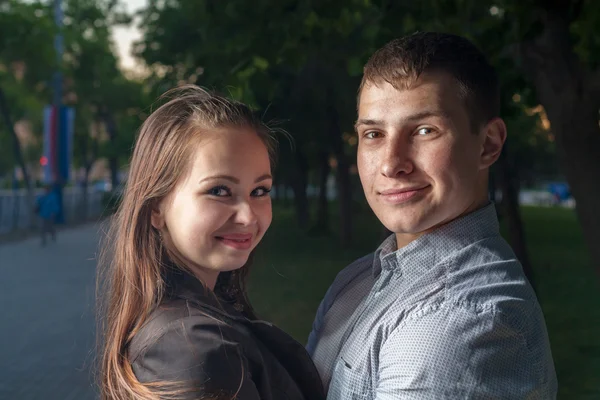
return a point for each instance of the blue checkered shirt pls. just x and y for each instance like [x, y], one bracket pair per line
[450, 316]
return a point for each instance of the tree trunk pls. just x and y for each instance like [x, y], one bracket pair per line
[1, 209]
[16, 212]
[570, 94]
[299, 181]
[90, 159]
[322, 223]
[18, 154]
[578, 140]
[285, 187]
[510, 204]
[275, 195]
[344, 186]
[84, 150]
[113, 162]
[345, 199]
[581, 163]
[85, 188]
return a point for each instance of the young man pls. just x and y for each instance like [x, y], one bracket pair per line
[442, 309]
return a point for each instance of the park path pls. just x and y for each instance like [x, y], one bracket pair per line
[47, 299]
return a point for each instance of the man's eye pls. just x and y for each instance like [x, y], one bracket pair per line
[219, 191]
[424, 131]
[372, 135]
[261, 191]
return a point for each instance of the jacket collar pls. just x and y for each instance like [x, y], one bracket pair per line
[183, 285]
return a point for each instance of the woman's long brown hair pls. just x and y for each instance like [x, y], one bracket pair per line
[131, 268]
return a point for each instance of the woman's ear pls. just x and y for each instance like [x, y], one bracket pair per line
[493, 141]
[157, 218]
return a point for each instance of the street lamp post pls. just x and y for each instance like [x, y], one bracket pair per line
[57, 103]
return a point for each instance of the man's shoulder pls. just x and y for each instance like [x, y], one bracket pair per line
[357, 266]
[488, 276]
[354, 270]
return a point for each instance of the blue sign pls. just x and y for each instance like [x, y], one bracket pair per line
[58, 144]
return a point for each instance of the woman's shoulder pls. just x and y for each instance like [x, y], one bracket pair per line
[181, 322]
[182, 343]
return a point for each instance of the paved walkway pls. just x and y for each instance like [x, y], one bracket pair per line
[47, 299]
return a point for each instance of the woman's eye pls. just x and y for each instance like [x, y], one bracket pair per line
[219, 191]
[261, 191]
[424, 131]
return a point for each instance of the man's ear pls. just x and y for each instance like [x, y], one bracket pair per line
[494, 137]
[157, 218]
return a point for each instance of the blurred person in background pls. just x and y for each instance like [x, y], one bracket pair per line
[47, 207]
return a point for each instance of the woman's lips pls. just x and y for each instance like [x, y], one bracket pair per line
[238, 241]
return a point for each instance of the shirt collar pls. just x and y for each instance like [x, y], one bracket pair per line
[437, 245]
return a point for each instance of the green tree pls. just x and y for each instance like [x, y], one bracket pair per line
[101, 94]
[26, 54]
[302, 60]
[546, 51]
[289, 58]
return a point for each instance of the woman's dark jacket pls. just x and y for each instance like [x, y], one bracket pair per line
[209, 348]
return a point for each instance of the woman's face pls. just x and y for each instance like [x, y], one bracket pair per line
[220, 211]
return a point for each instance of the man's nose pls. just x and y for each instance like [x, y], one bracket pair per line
[397, 159]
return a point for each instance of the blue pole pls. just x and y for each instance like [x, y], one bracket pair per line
[59, 48]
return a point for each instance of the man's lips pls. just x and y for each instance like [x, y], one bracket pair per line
[399, 195]
[240, 241]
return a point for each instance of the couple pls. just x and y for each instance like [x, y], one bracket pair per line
[441, 310]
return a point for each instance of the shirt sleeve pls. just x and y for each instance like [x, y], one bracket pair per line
[458, 353]
[197, 356]
[325, 305]
[342, 280]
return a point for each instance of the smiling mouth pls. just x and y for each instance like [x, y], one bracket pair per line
[236, 241]
[402, 195]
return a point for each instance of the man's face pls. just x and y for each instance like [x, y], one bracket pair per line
[419, 162]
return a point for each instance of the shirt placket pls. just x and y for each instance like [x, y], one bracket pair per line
[370, 302]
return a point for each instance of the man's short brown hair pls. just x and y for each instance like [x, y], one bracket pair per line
[402, 61]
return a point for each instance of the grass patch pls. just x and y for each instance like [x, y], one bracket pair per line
[569, 292]
[293, 270]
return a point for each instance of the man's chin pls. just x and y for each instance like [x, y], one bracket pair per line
[406, 225]
[409, 228]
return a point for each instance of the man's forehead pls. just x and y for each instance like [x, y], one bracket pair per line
[427, 96]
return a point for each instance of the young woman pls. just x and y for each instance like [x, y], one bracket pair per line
[177, 321]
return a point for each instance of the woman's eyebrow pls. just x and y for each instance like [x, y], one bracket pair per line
[234, 179]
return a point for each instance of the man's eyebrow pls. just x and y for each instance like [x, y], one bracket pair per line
[368, 122]
[234, 179]
[427, 114]
[410, 118]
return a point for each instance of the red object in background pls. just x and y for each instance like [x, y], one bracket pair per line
[44, 161]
